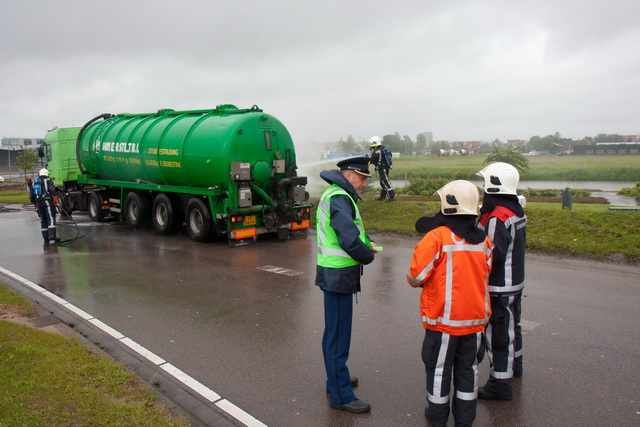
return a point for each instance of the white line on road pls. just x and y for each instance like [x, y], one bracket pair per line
[279, 270]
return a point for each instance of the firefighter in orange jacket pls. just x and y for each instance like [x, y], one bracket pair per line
[452, 265]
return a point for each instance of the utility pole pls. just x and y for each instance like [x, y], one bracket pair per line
[405, 161]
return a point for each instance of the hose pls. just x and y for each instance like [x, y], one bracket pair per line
[67, 242]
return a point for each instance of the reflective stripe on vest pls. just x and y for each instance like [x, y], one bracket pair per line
[510, 224]
[448, 250]
[330, 254]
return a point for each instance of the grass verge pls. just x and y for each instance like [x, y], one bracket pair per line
[52, 380]
[14, 197]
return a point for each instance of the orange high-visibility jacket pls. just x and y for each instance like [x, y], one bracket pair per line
[454, 276]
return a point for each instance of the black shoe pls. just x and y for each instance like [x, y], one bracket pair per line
[485, 394]
[391, 200]
[357, 407]
[380, 198]
[354, 383]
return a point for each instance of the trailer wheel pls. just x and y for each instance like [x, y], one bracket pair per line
[198, 220]
[94, 206]
[166, 214]
[137, 209]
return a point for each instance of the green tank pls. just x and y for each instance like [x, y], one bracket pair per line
[185, 148]
[239, 163]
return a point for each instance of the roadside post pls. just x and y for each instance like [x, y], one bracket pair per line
[567, 199]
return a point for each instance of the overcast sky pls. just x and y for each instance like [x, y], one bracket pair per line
[463, 70]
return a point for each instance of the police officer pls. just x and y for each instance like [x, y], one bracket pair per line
[502, 217]
[343, 248]
[381, 158]
[451, 264]
[43, 194]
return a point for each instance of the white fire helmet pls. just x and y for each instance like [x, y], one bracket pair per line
[43, 172]
[459, 197]
[374, 141]
[500, 178]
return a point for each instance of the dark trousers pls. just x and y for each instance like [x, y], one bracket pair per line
[47, 212]
[446, 358]
[504, 337]
[336, 341]
[385, 184]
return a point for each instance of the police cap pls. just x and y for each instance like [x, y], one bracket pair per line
[359, 165]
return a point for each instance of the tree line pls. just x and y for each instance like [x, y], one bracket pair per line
[405, 145]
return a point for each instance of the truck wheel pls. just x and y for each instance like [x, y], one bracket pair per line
[137, 209]
[198, 220]
[94, 206]
[166, 214]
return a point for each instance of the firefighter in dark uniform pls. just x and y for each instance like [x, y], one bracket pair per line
[43, 194]
[343, 248]
[503, 219]
[381, 159]
[451, 264]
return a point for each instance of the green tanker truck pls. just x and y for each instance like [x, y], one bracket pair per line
[226, 172]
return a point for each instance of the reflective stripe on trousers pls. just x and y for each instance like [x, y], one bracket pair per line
[504, 335]
[444, 354]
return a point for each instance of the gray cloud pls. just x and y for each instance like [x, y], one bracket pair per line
[463, 70]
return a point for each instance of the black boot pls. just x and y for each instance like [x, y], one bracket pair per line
[496, 389]
[392, 196]
[52, 236]
[45, 236]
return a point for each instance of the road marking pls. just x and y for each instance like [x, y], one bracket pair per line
[239, 414]
[188, 382]
[528, 325]
[279, 270]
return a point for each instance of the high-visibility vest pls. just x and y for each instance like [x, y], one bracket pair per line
[330, 254]
[454, 276]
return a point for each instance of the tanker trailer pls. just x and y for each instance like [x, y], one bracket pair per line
[223, 172]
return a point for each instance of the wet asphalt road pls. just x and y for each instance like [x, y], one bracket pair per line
[247, 323]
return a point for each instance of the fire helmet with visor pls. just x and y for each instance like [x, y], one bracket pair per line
[459, 197]
[500, 178]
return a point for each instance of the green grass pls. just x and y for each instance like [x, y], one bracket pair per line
[590, 230]
[10, 300]
[541, 168]
[51, 380]
[14, 197]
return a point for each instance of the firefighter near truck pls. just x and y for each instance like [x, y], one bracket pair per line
[220, 173]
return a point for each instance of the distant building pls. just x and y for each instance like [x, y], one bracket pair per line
[608, 148]
[20, 143]
[429, 137]
[9, 148]
[516, 144]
